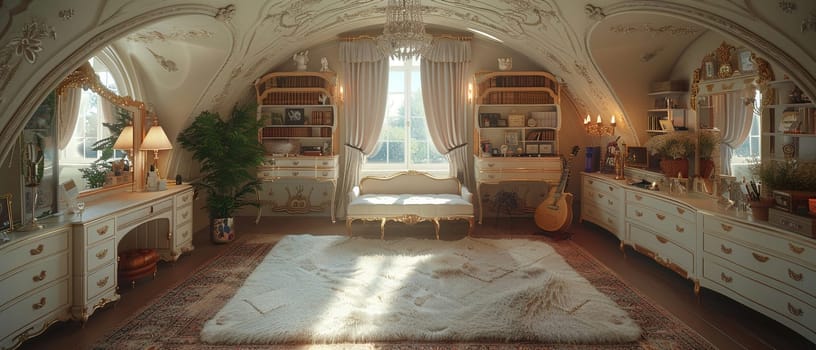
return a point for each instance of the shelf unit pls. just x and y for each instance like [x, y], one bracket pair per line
[300, 137]
[788, 125]
[668, 105]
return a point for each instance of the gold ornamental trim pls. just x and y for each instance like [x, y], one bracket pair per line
[85, 78]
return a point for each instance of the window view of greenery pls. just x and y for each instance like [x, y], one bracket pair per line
[748, 153]
[404, 142]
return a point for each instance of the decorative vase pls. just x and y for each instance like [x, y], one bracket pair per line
[222, 230]
[671, 167]
[759, 209]
[706, 167]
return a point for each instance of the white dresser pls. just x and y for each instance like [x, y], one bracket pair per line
[495, 170]
[768, 269]
[307, 168]
[69, 269]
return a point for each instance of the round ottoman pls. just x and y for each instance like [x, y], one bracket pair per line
[137, 263]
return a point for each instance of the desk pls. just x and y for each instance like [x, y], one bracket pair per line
[68, 269]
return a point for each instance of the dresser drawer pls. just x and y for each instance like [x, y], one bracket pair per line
[184, 199]
[539, 164]
[100, 254]
[300, 162]
[99, 230]
[518, 175]
[672, 227]
[783, 307]
[607, 200]
[33, 250]
[662, 250]
[601, 218]
[768, 265]
[797, 248]
[33, 276]
[141, 214]
[183, 234]
[665, 205]
[306, 173]
[602, 189]
[100, 281]
[184, 215]
[33, 307]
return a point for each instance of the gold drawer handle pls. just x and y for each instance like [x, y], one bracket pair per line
[726, 228]
[325, 163]
[41, 276]
[184, 215]
[725, 250]
[794, 276]
[591, 182]
[102, 254]
[295, 173]
[169, 236]
[680, 211]
[794, 311]
[101, 283]
[490, 165]
[185, 234]
[638, 213]
[661, 239]
[325, 173]
[185, 198]
[37, 251]
[296, 162]
[609, 220]
[600, 195]
[39, 305]
[610, 202]
[660, 216]
[795, 249]
[760, 258]
[102, 230]
[638, 197]
[727, 279]
[611, 189]
[679, 228]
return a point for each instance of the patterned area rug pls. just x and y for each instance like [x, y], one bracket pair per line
[175, 321]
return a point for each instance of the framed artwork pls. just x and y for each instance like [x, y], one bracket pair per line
[545, 148]
[511, 138]
[531, 149]
[636, 157]
[746, 65]
[295, 116]
[666, 125]
[6, 218]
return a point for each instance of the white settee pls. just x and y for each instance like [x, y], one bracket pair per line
[409, 197]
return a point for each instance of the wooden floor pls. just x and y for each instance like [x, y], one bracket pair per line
[725, 323]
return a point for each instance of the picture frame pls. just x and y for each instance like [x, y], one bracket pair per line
[276, 119]
[637, 157]
[6, 214]
[545, 148]
[746, 65]
[709, 68]
[511, 138]
[666, 125]
[70, 193]
[295, 116]
[531, 149]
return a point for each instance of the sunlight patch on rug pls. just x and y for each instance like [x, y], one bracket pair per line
[329, 289]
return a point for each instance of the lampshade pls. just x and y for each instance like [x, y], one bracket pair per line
[125, 140]
[156, 139]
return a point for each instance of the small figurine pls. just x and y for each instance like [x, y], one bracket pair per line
[324, 65]
[301, 60]
[505, 63]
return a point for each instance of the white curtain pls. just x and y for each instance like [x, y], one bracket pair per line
[108, 111]
[365, 81]
[737, 119]
[444, 93]
[67, 113]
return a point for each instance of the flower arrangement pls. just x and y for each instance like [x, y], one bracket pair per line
[785, 175]
[707, 143]
[672, 145]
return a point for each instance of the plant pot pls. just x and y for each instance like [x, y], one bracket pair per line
[759, 209]
[706, 167]
[222, 230]
[671, 167]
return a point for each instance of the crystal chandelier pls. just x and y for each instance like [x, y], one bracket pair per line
[404, 34]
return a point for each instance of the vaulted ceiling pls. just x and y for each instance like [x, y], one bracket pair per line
[196, 55]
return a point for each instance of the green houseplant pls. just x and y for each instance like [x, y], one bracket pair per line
[229, 152]
[708, 141]
[673, 148]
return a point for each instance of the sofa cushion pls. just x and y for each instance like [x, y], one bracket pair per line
[417, 183]
[395, 205]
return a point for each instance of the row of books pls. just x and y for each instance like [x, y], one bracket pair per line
[541, 135]
[296, 82]
[295, 132]
[532, 97]
[519, 81]
[293, 98]
[321, 118]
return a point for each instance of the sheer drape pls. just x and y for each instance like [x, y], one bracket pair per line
[67, 113]
[365, 82]
[736, 125]
[444, 93]
[108, 111]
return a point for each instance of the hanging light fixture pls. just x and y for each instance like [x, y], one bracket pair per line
[404, 34]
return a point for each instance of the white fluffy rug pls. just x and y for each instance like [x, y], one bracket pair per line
[329, 289]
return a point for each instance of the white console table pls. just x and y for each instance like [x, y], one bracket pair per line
[68, 269]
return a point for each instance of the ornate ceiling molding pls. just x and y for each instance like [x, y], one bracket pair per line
[655, 30]
[150, 36]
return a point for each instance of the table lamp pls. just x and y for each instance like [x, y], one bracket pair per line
[156, 140]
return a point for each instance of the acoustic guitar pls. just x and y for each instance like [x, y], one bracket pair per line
[554, 214]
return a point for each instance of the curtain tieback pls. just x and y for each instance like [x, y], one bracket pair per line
[456, 147]
[355, 147]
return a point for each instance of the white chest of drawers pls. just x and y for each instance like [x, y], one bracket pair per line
[494, 170]
[603, 204]
[307, 168]
[34, 284]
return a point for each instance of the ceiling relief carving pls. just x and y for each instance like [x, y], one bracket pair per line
[24, 46]
[151, 36]
[809, 23]
[167, 64]
[7, 14]
[594, 12]
[655, 30]
[225, 13]
[66, 14]
[787, 6]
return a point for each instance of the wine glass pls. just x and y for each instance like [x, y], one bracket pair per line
[80, 207]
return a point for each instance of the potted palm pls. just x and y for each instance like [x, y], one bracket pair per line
[229, 152]
[673, 148]
[708, 141]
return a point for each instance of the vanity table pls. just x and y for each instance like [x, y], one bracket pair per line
[68, 269]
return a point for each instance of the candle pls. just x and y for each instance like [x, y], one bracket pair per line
[586, 120]
[599, 119]
[613, 120]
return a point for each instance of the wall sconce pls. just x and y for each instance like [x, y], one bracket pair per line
[339, 94]
[597, 128]
[470, 92]
[156, 140]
